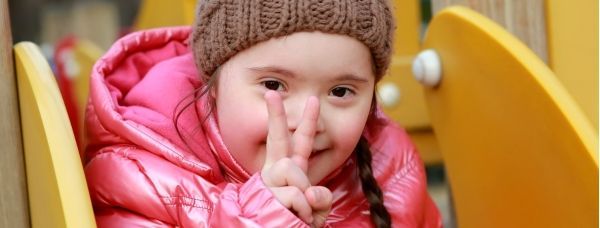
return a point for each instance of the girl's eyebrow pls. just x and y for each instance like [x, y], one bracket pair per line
[274, 69]
[350, 77]
[288, 73]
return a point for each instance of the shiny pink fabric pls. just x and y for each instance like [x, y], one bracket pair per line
[142, 172]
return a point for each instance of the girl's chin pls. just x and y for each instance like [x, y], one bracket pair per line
[316, 165]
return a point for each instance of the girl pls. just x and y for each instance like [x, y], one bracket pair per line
[267, 119]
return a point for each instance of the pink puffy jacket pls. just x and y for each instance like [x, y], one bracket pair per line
[141, 173]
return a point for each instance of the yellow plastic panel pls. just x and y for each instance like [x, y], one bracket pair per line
[573, 50]
[428, 147]
[57, 189]
[518, 150]
[410, 110]
[86, 54]
[161, 13]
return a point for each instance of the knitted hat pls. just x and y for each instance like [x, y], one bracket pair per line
[225, 27]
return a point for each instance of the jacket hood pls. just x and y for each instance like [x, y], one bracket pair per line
[142, 84]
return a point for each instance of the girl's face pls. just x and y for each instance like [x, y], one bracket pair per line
[334, 68]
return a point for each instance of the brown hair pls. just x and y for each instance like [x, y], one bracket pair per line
[379, 214]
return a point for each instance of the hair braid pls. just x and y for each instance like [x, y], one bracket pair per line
[379, 215]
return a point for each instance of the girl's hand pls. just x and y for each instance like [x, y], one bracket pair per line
[320, 199]
[285, 173]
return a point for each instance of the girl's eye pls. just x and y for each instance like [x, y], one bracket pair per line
[273, 85]
[341, 92]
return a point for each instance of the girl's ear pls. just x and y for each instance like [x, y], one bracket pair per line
[212, 84]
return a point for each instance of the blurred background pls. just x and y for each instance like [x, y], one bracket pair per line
[48, 21]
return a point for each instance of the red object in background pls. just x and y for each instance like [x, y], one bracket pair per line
[65, 84]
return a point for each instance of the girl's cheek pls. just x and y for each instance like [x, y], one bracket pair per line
[258, 125]
[347, 126]
[244, 132]
[253, 126]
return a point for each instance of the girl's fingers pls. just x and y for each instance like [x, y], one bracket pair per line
[293, 199]
[285, 172]
[320, 199]
[277, 138]
[304, 135]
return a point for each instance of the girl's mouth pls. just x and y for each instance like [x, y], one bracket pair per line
[315, 153]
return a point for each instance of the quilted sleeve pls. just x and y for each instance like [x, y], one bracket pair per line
[131, 187]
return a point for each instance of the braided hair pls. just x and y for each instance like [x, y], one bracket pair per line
[379, 215]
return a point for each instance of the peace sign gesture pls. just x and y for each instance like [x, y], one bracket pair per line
[286, 162]
[278, 141]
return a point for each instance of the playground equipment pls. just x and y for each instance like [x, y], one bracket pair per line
[518, 150]
[56, 185]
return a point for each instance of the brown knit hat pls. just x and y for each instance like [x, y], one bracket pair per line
[225, 27]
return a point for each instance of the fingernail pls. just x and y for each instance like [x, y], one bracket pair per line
[316, 194]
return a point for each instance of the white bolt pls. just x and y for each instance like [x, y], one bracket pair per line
[427, 68]
[389, 94]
